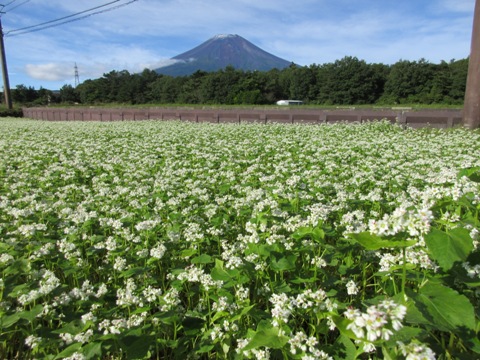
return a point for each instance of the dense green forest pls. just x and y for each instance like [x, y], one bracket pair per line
[348, 81]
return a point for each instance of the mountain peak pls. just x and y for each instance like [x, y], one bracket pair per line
[220, 51]
[223, 36]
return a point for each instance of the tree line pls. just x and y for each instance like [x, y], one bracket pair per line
[348, 81]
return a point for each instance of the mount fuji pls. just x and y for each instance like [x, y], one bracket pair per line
[221, 51]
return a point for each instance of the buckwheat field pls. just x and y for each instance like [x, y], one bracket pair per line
[173, 240]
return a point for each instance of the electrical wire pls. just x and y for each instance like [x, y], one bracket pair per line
[65, 17]
[13, 8]
[53, 23]
[11, 2]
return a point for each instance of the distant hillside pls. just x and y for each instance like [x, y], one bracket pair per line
[221, 51]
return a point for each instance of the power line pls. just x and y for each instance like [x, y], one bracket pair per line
[11, 2]
[57, 22]
[13, 8]
[62, 18]
[48, 23]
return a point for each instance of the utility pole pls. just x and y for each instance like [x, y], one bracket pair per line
[471, 108]
[77, 78]
[6, 84]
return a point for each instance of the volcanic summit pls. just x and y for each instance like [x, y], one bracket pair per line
[221, 51]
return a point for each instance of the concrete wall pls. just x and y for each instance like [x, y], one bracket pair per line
[407, 117]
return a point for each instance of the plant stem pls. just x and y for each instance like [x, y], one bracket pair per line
[404, 269]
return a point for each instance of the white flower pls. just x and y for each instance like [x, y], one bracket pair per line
[158, 251]
[6, 258]
[352, 288]
[32, 341]
[76, 356]
[472, 271]
[102, 290]
[120, 263]
[151, 294]
[146, 225]
[319, 262]
[282, 308]
[378, 322]
[88, 317]
[416, 351]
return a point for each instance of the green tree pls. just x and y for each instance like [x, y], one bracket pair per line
[221, 87]
[68, 94]
[44, 97]
[458, 71]
[24, 95]
[91, 92]
[190, 92]
[251, 88]
[409, 82]
[301, 83]
[349, 81]
[273, 91]
[166, 89]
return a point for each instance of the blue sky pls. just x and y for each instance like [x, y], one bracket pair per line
[147, 33]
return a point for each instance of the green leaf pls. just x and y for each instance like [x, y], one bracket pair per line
[445, 308]
[346, 348]
[219, 315]
[475, 345]
[192, 325]
[31, 314]
[261, 249]
[202, 259]
[9, 320]
[93, 350]
[266, 336]
[132, 272]
[281, 286]
[219, 273]
[473, 173]
[407, 334]
[283, 263]
[316, 233]
[447, 248]
[138, 347]
[73, 327]
[69, 351]
[188, 252]
[19, 266]
[205, 349]
[374, 242]
[244, 312]
[303, 281]
[386, 354]
[341, 323]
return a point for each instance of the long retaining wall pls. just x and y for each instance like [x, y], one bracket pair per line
[403, 116]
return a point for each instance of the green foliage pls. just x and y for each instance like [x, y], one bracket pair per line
[15, 112]
[171, 240]
[348, 81]
[449, 247]
[410, 82]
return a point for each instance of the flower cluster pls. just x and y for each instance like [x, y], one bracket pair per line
[378, 323]
[416, 351]
[300, 342]
[188, 234]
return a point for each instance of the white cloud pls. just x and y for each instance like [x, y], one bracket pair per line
[50, 71]
[458, 5]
